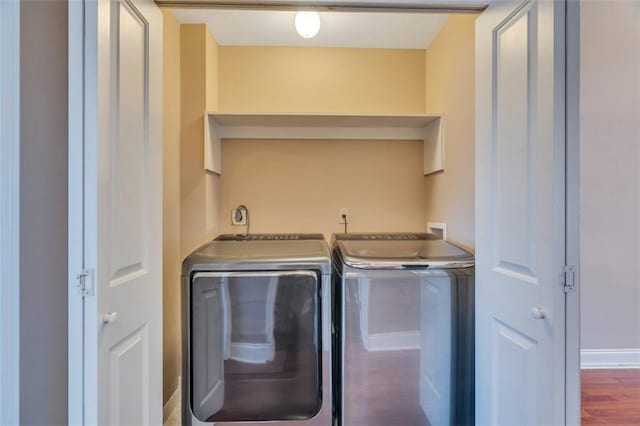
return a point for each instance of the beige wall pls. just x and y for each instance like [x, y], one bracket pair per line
[43, 213]
[211, 62]
[298, 186]
[198, 189]
[610, 174]
[171, 205]
[190, 194]
[294, 79]
[450, 76]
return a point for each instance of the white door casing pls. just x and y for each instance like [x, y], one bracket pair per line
[121, 162]
[9, 212]
[520, 214]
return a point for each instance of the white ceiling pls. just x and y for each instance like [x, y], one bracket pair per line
[337, 29]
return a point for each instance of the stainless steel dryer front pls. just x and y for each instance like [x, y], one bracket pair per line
[257, 331]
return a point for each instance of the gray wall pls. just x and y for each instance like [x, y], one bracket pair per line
[610, 174]
[43, 213]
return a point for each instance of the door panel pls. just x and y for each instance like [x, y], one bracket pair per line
[514, 388]
[129, 377]
[123, 211]
[520, 213]
[129, 49]
[515, 179]
[129, 142]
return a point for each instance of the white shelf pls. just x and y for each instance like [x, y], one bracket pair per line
[426, 127]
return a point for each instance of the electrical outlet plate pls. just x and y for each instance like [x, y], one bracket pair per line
[239, 216]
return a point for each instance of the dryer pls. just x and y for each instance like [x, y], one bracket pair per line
[404, 309]
[257, 331]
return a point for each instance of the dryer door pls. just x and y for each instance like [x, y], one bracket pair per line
[255, 346]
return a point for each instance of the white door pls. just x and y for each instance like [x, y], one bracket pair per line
[122, 233]
[520, 205]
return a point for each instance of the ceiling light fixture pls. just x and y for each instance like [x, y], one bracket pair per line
[307, 24]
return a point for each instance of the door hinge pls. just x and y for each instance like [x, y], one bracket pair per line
[85, 282]
[569, 278]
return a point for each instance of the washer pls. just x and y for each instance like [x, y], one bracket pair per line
[257, 331]
[404, 314]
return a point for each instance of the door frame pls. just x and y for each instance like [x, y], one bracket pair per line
[10, 212]
[572, 211]
[77, 94]
[76, 88]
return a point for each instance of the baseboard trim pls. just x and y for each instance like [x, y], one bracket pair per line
[173, 402]
[397, 340]
[609, 358]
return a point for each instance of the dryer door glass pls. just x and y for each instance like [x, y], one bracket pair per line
[255, 346]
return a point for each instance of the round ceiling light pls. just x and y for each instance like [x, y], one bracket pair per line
[307, 24]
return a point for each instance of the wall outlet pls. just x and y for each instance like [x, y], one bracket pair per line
[239, 216]
[342, 213]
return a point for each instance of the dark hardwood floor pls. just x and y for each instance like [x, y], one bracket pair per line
[611, 397]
